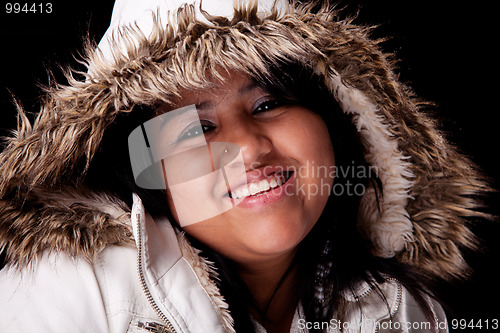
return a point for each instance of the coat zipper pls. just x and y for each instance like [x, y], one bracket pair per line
[152, 327]
[399, 298]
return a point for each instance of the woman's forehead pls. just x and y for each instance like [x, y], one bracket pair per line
[235, 85]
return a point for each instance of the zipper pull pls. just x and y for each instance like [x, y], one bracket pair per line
[154, 327]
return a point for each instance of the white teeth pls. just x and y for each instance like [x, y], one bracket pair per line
[244, 192]
[257, 187]
[254, 188]
[264, 185]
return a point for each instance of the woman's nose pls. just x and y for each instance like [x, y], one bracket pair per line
[252, 140]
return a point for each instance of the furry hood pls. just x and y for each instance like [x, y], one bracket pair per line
[429, 189]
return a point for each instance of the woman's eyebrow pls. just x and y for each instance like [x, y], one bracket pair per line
[177, 115]
[248, 87]
[205, 105]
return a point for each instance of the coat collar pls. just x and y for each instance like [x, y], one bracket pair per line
[179, 281]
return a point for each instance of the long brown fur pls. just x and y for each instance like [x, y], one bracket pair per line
[44, 202]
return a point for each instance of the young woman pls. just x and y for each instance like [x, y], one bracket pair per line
[219, 169]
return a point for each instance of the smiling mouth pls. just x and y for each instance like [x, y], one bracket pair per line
[261, 187]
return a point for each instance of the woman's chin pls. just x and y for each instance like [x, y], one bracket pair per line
[271, 239]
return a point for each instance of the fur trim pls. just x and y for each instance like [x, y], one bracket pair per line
[78, 223]
[390, 227]
[429, 190]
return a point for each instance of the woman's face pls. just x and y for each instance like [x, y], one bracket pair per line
[284, 162]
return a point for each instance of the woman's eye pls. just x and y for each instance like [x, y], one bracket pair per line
[196, 131]
[268, 105]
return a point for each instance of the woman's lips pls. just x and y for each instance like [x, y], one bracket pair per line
[258, 187]
[262, 192]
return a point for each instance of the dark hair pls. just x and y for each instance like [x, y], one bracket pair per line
[333, 258]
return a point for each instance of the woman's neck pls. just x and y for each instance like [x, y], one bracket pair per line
[272, 284]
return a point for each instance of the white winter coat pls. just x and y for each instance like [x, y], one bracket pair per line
[161, 283]
[428, 188]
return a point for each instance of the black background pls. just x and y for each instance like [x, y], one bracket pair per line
[448, 54]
